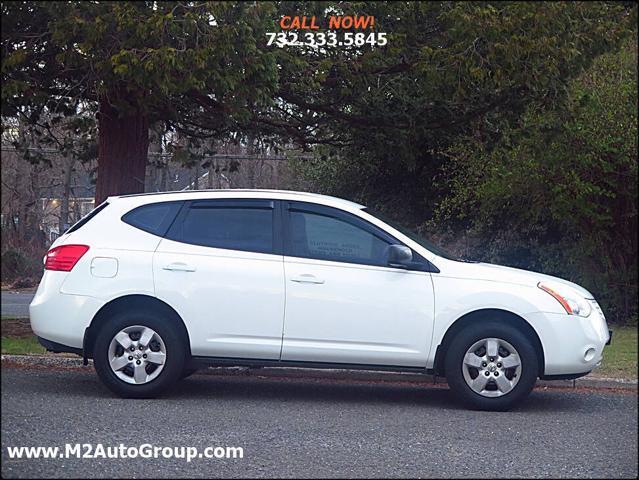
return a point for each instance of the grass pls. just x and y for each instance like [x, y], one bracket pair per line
[620, 358]
[21, 345]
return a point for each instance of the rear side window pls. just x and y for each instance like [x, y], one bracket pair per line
[233, 227]
[83, 221]
[155, 218]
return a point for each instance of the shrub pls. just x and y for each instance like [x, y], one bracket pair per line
[21, 266]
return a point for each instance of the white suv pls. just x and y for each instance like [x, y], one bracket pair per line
[153, 286]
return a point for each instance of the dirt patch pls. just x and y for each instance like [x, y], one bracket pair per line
[16, 327]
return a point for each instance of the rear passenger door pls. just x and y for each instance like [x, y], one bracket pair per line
[220, 267]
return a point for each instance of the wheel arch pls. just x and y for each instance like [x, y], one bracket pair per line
[130, 303]
[483, 315]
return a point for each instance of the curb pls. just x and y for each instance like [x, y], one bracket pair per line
[591, 382]
[67, 362]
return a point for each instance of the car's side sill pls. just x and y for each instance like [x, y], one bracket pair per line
[566, 376]
[201, 361]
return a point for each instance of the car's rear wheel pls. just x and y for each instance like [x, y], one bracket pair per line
[139, 355]
[491, 366]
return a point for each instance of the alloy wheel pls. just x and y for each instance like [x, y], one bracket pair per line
[491, 367]
[137, 354]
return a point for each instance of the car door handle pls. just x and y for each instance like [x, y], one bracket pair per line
[307, 278]
[179, 267]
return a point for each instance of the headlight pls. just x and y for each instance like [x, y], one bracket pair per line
[571, 300]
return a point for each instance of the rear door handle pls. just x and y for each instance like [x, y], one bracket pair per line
[307, 278]
[179, 267]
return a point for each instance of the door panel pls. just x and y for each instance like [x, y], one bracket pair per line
[220, 267]
[232, 302]
[343, 306]
[357, 314]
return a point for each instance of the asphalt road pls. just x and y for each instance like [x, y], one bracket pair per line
[16, 304]
[316, 428]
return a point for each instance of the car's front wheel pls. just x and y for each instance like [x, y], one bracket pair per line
[491, 366]
[187, 372]
[139, 355]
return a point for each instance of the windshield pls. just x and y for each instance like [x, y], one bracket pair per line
[427, 244]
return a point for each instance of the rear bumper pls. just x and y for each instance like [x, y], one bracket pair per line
[61, 318]
[58, 347]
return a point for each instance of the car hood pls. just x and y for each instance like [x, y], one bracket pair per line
[499, 273]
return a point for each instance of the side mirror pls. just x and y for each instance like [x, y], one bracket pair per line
[398, 256]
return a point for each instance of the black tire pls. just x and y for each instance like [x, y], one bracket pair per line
[187, 372]
[176, 354]
[465, 339]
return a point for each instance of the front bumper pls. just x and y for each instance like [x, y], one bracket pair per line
[573, 346]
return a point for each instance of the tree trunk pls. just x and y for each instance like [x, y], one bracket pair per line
[66, 194]
[212, 164]
[250, 164]
[122, 153]
[164, 178]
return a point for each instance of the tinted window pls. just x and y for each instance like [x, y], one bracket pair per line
[155, 218]
[85, 220]
[233, 228]
[327, 238]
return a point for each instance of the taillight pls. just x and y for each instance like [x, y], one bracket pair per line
[64, 257]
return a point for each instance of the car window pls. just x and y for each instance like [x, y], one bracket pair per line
[233, 228]
[323, 237]
[155, 218]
